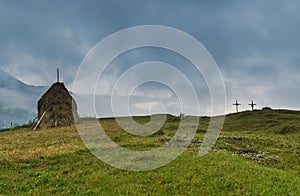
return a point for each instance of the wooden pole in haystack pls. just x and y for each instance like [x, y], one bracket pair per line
[57, 74]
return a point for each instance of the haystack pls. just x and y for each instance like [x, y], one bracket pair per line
[56, 108]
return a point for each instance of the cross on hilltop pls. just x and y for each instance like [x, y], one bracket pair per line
[237, 104]
[252, 104]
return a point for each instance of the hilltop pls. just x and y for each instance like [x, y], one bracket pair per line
[257, 153]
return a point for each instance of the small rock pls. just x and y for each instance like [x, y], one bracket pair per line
[196, 141]
[259, 156]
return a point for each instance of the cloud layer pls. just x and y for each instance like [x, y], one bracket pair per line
[255, 43]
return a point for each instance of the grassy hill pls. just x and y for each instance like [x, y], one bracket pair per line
[257, 153]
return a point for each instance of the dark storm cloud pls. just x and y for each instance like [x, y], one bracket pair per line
[255, 43]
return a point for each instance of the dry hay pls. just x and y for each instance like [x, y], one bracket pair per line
[57, 108]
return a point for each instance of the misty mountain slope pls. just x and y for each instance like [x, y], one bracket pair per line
[8, 82]
[18, 101]
[14, 117]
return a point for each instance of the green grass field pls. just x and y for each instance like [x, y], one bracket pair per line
[257, 153]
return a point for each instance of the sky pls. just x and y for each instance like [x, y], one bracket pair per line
[254, 43]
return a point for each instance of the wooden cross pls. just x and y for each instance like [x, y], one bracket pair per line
[252, 104]
[237, 104]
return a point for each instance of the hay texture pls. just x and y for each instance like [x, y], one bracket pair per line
[57, 108]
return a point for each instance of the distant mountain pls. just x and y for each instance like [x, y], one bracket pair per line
[18, 101]
[10, 83]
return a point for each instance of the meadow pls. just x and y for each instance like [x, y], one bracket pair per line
[257, 153]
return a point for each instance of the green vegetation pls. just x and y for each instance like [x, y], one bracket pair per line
[257, 153]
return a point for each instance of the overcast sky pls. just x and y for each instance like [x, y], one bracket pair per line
[256, 44]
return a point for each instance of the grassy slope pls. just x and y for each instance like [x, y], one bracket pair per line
[56, 161]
